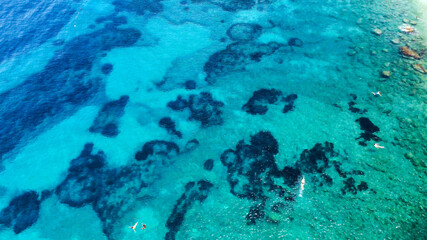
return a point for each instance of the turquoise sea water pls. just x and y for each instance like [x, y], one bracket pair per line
[213, 119]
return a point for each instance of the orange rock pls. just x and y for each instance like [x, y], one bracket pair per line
[419, 68]
[407, 52]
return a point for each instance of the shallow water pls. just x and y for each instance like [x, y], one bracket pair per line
[211, 119]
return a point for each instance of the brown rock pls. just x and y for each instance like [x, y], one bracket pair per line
[419, 68]
[407, 52]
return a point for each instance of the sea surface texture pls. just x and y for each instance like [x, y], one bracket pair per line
[213, 119]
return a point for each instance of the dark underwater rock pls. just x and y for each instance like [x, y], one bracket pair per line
[337, 166]
[257, 103]
[255, 212]
[295, 42]
[369, 129]
[354, 109]
[316, 160]
[208, 165]
[362, 186]
[230, 5]
[163, 149]
[244, 31]
[191, 145]
[203, 108]
[46, 194]
[83, 184]
[107, 120]
[22, 212]
[290, 99]
[168, 124]
[288, 107]
[235, 57]
[120, 190]
[234, 5]
[179, 104]
[292, 176]
[190, 85]
[326, 179]
[193, 192]
[63, 86]
[139, 7]
[254, 175]
[349, 186]
[367, 125]
[112, 192]
[107, 68]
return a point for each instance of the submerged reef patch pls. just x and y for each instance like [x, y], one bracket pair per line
[235, 57]
[91, 182]
[316, 160]
[253, 173]
[350, 186]
[139, 7]
[234, 5]
[194, 191]
[368, 129]
[203, 108]
[244, 31]
[352, 108]
[256, 104]
[168, 124]
[107, 120]
[295, 42]
[290, 99]
[107, 68]
[83, 184]
[157, 148]
[208, 165]
[22, 212]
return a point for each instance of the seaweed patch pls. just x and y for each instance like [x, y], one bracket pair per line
[194, 191]
[203, 108]
[368, 129]
[22, 212]
[257, 103]
[235, 57]
[107, 120]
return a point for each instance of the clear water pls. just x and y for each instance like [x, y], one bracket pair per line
[89, 96]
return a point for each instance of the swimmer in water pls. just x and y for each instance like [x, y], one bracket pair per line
[144, 226]
[377, 93]
[302, 186]
[134, 226]
[376, 145]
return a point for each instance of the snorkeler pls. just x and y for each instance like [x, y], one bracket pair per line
[377, 93]
[376, 145]
[134, 226]
[144, 226]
